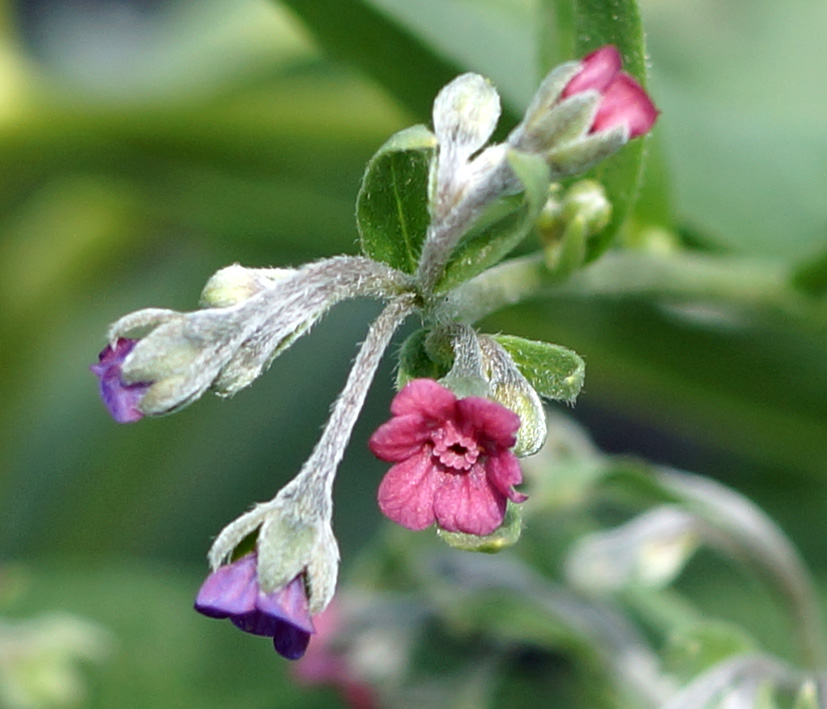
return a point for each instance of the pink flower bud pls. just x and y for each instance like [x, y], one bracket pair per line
[624, 101]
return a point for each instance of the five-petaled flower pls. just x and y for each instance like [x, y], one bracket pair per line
[623, 100]
[232, 591]
[120, 398]
[453, 463]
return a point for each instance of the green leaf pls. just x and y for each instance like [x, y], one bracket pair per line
[392, 205]
[414, 361]
[554, 371]
[502, 226]
[356, 32]
[590, 24]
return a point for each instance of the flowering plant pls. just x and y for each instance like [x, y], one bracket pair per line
[440, 212]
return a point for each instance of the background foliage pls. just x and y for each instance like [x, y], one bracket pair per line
[146, 145]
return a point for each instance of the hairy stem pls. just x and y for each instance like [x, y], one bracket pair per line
[682, 275]
[317, 475]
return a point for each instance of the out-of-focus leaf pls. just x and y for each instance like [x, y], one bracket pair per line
[392, 206]
[811, 276]
[554, 371]
[358, 33]
[503, 227]
[694, 648]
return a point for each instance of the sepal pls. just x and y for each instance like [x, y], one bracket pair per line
[556, 372]
[506, 535]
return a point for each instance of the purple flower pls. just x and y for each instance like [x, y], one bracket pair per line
[120, 398]
[623, 100]
[453, 460]
[233, 592]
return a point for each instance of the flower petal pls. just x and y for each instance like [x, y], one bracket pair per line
[120, 399]
[400, 438]
[289, 604]
[468, 503]
[290, 642]
[229, 591]
[489, 420]
[257, 623]
[503, 471]
[425, 397]
[406, 493]
[625, 102]
[598, 71]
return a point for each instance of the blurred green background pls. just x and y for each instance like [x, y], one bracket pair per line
[144, 145]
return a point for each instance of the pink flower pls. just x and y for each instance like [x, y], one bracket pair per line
[120, 399]
[232, 592]
[624, 101]
[453, 463]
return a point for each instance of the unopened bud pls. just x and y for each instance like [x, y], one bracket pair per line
[650, 551]
[569, 220]
[235, 284]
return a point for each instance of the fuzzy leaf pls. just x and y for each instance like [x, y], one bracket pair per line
[554, 371]
[392, 205]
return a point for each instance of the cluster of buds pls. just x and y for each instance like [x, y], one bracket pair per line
[454, 443]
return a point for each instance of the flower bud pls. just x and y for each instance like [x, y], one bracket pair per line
[235, 284]
[650, 550]
[583, 112]
[294, 538]
[569, 220]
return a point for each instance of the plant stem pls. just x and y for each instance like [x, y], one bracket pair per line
[679, 276]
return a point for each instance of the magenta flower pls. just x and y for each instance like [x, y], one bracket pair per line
[120, 398]
[233, 592]
[453, 460]
[624, 101]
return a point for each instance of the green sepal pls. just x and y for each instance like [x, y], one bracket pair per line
[555, 372]
[415, 362]
[503, 225]
[506, 535]
[392, 206]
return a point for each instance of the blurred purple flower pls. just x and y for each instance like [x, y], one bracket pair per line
[121, 399]
[624, 101]
[233, 592]
[453, 460]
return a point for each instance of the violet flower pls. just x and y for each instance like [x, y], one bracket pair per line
[623, 100]
[453, 460]
[120, 398]
[232, 591]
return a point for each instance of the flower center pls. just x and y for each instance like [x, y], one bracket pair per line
[453, 449]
